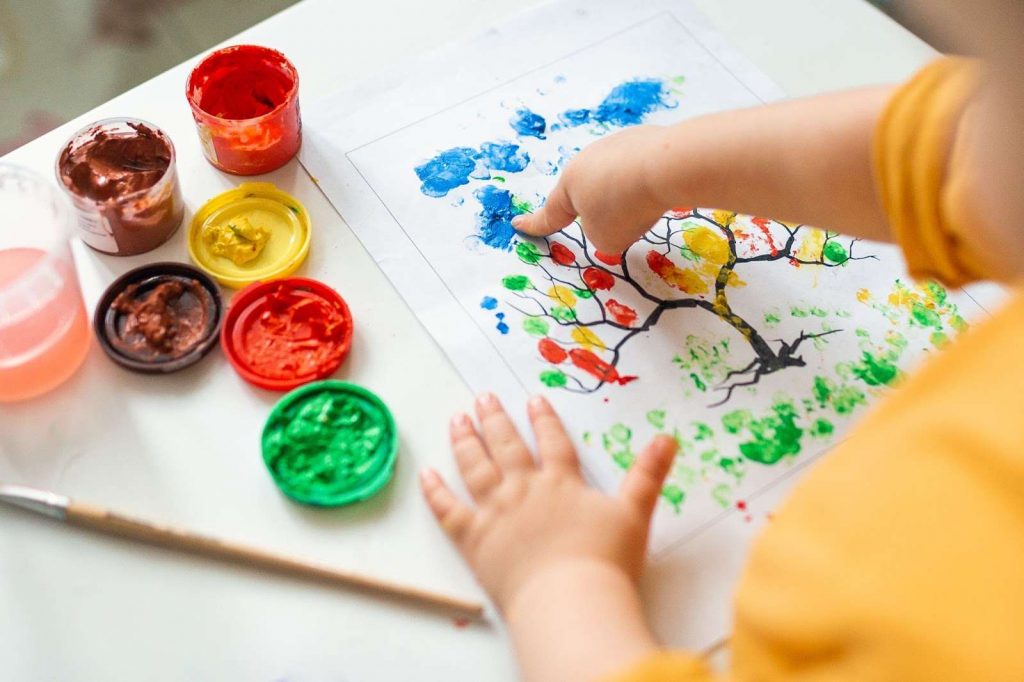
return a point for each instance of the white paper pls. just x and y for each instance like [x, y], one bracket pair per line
[828, 334]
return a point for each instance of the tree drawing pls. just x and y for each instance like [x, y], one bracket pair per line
[692, 259]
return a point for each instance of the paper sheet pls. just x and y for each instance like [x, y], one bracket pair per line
[756, 343]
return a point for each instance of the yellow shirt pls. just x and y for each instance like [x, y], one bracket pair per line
[901, 555]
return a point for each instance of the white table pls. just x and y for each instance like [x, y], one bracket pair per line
[184, 448]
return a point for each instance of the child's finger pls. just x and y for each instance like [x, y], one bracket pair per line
[645, 478]
[503, 442]
[553, 444]
[556, 213]
[478, 470]
[453, 516]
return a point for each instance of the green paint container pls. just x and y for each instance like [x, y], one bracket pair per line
[330, 443]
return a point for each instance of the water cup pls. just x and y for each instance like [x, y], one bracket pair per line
[44, 333]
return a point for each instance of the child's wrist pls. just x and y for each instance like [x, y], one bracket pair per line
[560, 581]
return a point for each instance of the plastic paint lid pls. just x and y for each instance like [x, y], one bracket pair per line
[284, 333]
[159, 318]
[252, 233]
[330, 443]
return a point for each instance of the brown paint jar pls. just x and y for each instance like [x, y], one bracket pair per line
[120, 174]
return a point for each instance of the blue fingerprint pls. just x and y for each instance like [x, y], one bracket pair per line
[504, 156]
[502, 327]
[528, 123]
[448, 170]
[627, 104]
[494, 221]
[489, 303]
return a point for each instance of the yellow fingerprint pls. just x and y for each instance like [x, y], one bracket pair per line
[811, 246]
[563, 295]
[587, 339]
[863, 295]
[708, 244]
[723, 218]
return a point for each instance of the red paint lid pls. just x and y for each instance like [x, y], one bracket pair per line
[287, 332]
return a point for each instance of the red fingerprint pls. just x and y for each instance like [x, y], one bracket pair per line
[660, 264]
[562, 255]
[596, 367]
[621, 312]
[551, 351]
[608, 258]
[598, 279]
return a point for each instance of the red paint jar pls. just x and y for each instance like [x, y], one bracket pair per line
[245, 101]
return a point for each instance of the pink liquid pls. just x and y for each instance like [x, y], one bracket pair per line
[44, 333]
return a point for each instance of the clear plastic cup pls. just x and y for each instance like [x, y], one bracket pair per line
[44, 332]
[123, 219]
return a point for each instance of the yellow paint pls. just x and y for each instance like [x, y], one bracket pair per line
[811, 246]
[723, 218]
[863, 295]
[588, 339]
[710, 270]
[687, 280]
[563, 295]
[708, 244]
[238, 240]
[263, 207]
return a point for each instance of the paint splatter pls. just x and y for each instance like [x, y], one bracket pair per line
[528, 124]
[504, 156]
[627, 104]
[454, 167]
[488, 303]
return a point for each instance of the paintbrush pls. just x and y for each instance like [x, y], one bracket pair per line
[96, 518]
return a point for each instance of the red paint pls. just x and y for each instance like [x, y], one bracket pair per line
[461, 622]
[741, 505]
[608, 258]
[284, 333]
[245, 101]
[561, 254]
[680, 211]
[660, 264]
[762, 223]
[551, 351]
[748, 518]
[598, 279]
[620, 312]
[597, 368]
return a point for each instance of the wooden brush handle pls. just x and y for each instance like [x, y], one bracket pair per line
[97, 518]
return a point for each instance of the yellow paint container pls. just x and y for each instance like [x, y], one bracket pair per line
[252, 233]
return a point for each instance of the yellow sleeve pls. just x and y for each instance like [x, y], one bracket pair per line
[919, 174]
[667, 666]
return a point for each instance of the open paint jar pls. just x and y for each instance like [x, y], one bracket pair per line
[44, 332]
[245, 101]
[121, 177]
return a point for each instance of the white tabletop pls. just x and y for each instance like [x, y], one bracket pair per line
[184, 448]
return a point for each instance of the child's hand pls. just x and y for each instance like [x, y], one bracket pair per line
[609, 186]
[538, 519]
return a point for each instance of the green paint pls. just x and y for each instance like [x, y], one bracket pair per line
[704, 432]
[521, 205]
[845, 399]
[734, 422]
[516, 282]
[583, 293]
[698, 383]
[834, 252]
[563, 313]
[553, 378]
[798, 312]
[924, 316]
[656, 418]
[528, 253]
[293, 209]
[687, 253]
[771, 318]
[938, 339]
[704, 362]
[620, 433]
[674, 495]
[499, 178]
[818, 312]
[330, 443]
[774, 436]
[843, 313]
[821, 428]
[708, 455]
[536, 326]
[722, 494]
[874, 370]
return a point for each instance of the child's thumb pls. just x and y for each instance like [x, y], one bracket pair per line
[556, 213]
[645, 478]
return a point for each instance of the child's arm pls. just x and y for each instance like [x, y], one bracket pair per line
[560, 559]
[805, 161]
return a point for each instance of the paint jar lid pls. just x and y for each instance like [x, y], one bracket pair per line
[330, 443]
[159, 318]
[287, 332]
[254, 232]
